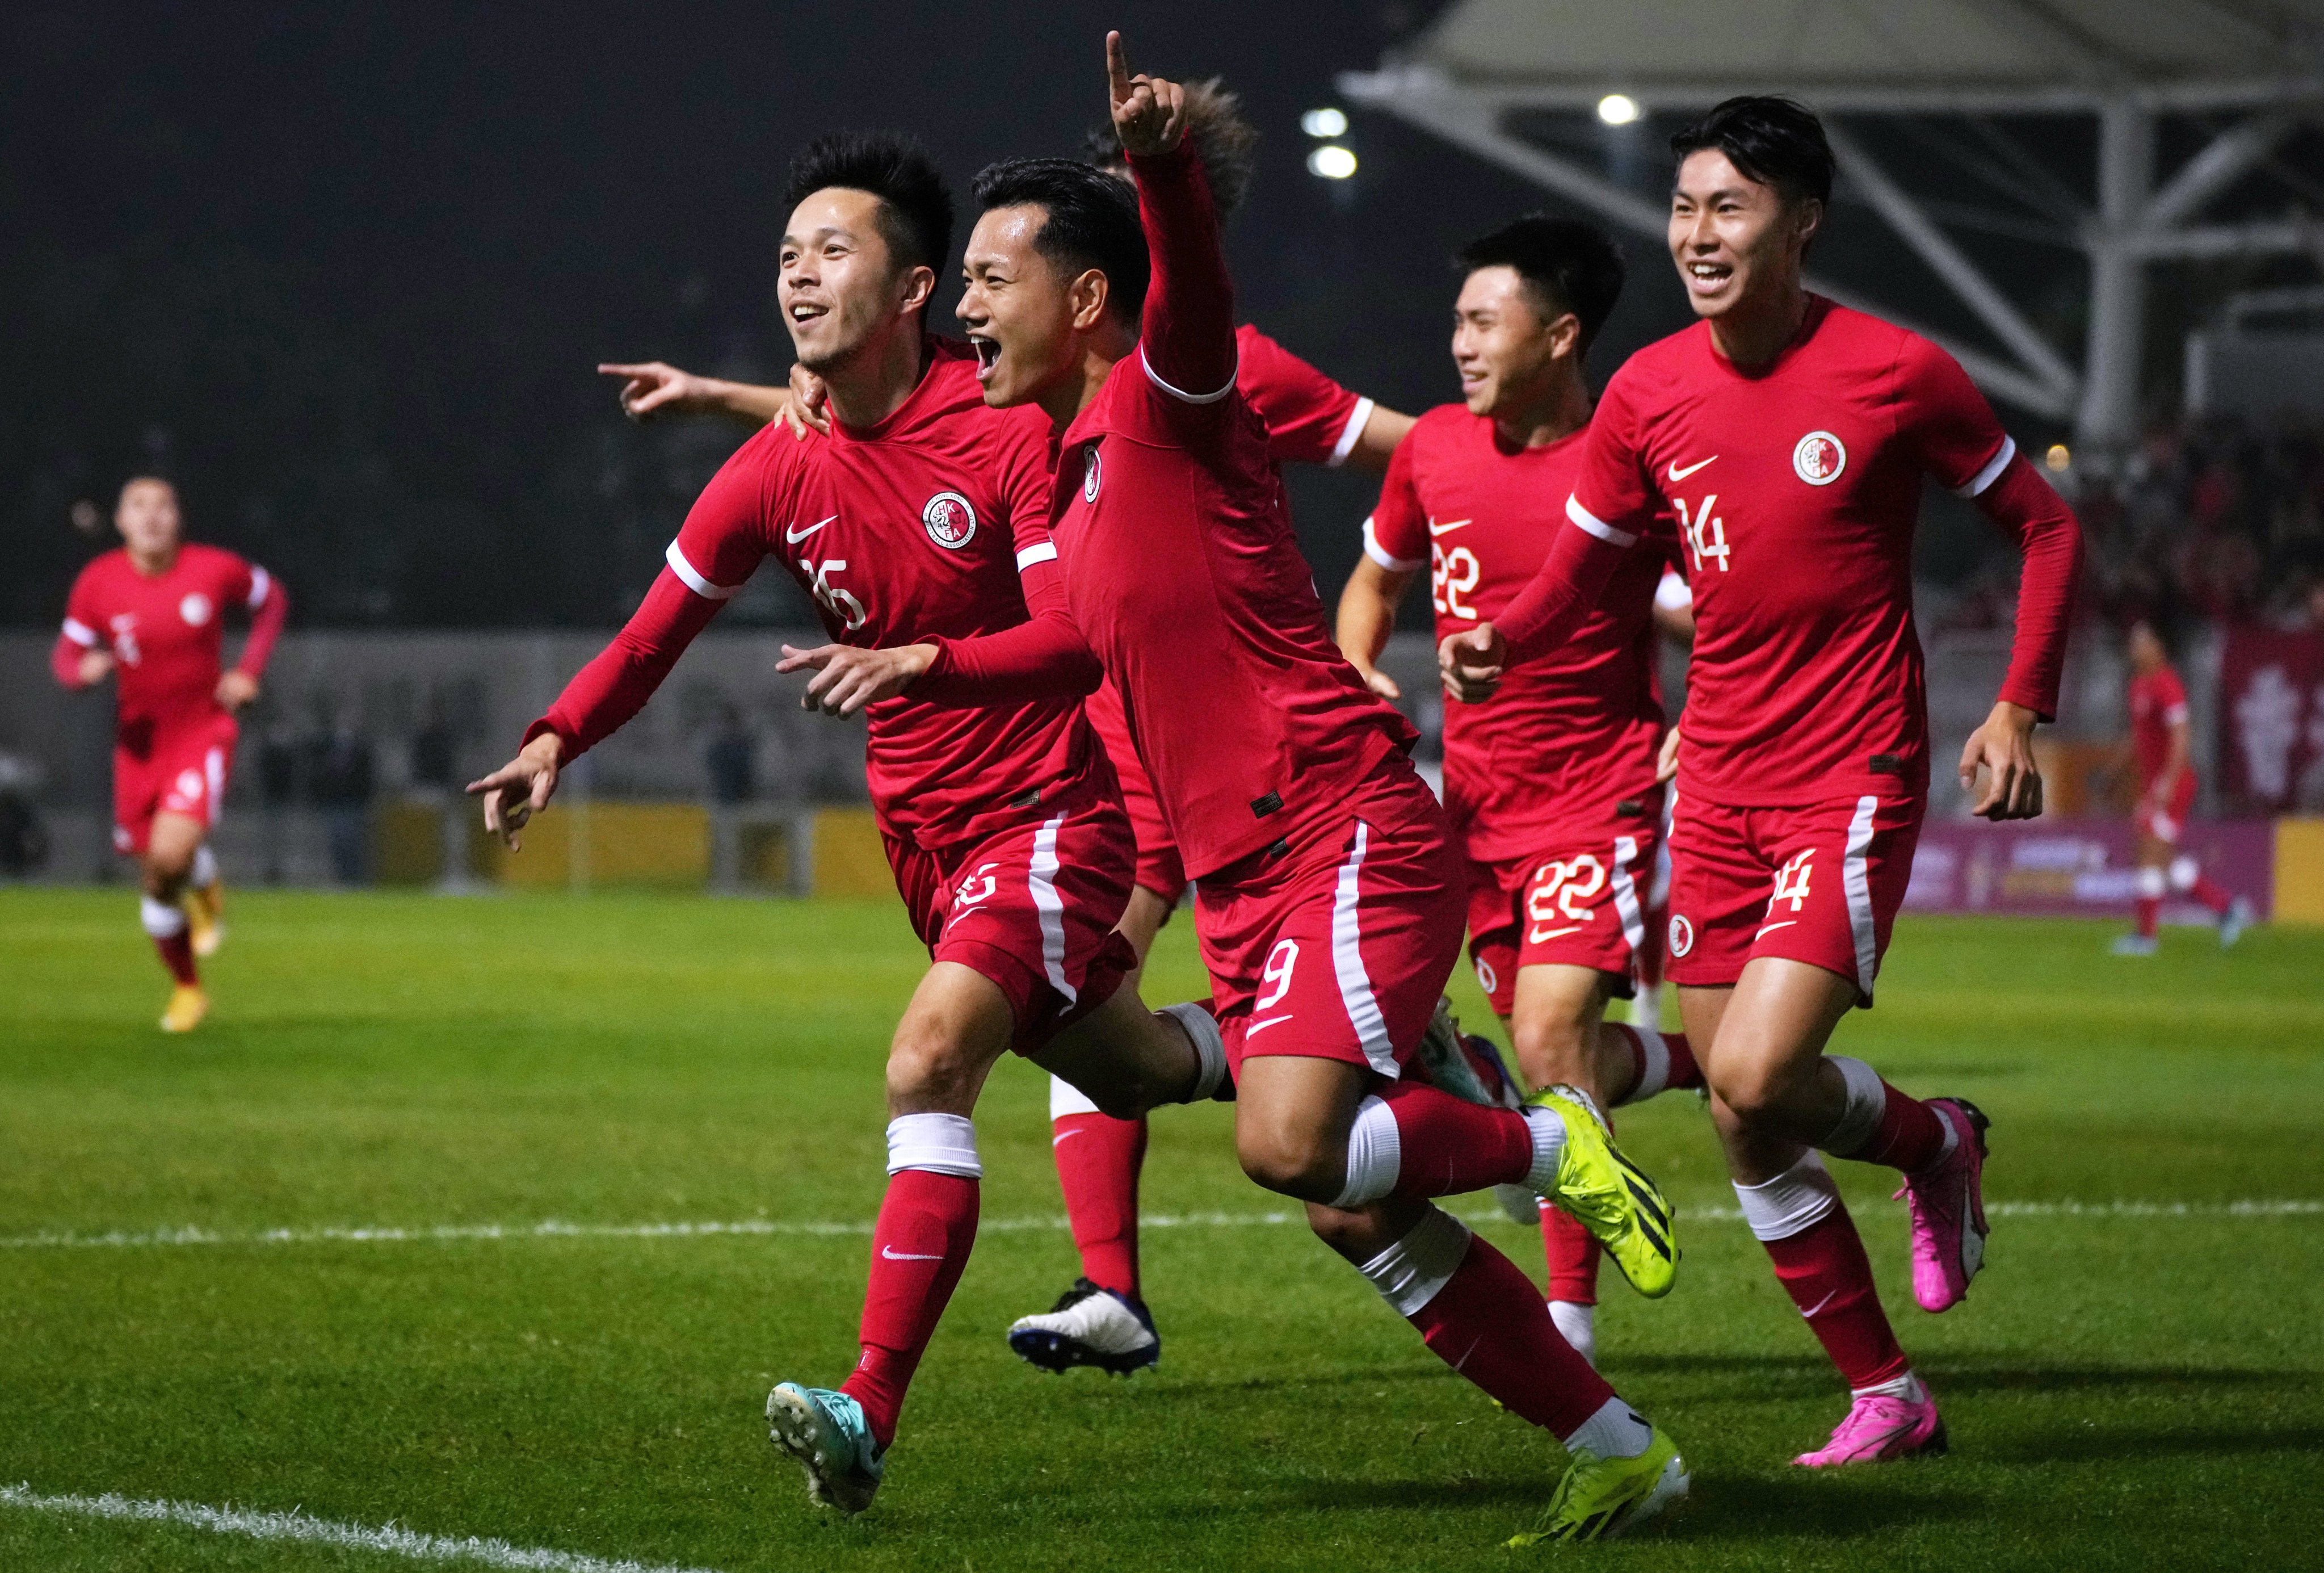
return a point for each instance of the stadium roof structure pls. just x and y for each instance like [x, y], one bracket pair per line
[2248, 73]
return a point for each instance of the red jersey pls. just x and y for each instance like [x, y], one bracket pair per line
[1571, 733]
[1182, 573]
[930, 525]
[167, 632]
[1796, 486]
[1310, 419]
[2158, 702]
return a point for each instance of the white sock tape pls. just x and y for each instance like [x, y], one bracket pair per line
[1859, 1121]
[1067, 1100]
[1375, 1155]
[1793, 1202]
[1654, 1074]
[162, 919]
[1409, 1273]
[2184, 871]
[205, 871]
[2152, 883]
[1210, 1048]
[940, 1143]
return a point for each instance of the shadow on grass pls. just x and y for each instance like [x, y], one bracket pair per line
[1826, 1505]
[1781, 1376]
[2094, 1445]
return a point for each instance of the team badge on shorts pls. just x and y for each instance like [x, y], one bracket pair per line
[951, 522]
[195, 609]
[1089, 478]
[1818, 459]
[1681, 935]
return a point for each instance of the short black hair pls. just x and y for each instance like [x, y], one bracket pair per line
[1776, 141]
[1091, 221]
[1227, 143]
[1569, 265]
[916, 211]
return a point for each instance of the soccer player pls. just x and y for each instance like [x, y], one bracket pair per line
[1328, 898]
[922, 516]
[1790, 436]
[152, 614]
[1102, 1319]
[1551, 789]
[2159, 747]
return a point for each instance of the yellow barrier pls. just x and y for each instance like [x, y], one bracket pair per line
[849, 859]
[2300, 871]
[603, 843]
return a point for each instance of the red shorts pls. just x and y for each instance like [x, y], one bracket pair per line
[1032, 908]
[182, 772]
[1159, 867]
[2166, 822]
[1336, 944]
[1820, 884]
[1574, 905]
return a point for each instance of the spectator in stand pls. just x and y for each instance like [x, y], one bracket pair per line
[339, 785]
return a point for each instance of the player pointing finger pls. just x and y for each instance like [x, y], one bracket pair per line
[1150, 114]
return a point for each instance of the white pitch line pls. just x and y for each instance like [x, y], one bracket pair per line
[297, 1526]
[557, 1229]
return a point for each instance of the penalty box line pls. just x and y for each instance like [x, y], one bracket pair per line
[557, 1229]
[389, 1538]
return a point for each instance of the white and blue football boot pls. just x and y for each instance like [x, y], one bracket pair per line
[826, 1433]
[1089, 1325]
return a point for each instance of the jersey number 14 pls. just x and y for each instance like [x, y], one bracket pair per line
[1706, 536]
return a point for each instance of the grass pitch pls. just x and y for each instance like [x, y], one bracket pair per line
[2126, 1388]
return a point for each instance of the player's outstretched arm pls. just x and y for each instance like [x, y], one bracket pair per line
[238, 686]
[1471, 664]
[653, 387]
[1187, 337]
[847, 678]
[1376, 444]
[520, 788]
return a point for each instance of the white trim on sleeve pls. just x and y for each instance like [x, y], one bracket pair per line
[261, 584]
[1181, 393]
[1040, 551]
[1351, 433]
[80, 633]
[1386, 558]
[694, 581]
[1991, 473]
[1595, 525]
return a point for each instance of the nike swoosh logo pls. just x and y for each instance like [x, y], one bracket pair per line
[1059, 1139]
[793, 537]
[892, 1254]
[1257, 1027]
[1538, 935]
[1771, 928]
[1819, 1305]
[1436, 529]
[1678, 474]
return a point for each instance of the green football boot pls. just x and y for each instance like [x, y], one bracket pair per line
[826, 1432]
[1615, 1202]
[1601, 1498]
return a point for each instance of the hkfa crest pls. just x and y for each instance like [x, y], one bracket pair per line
[1089, 478]
[951, 522]
[1681, 935]
[195, 609]
[1818, 459]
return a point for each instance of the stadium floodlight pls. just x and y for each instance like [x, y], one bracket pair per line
[1331, 162]
[2058, 457]
[1617, 110]
[1323, 125]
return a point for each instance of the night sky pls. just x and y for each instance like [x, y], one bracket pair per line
[345, 271]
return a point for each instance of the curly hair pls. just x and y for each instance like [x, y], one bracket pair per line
[1227, 143]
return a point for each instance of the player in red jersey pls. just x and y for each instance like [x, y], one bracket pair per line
[1101, 1318]
[1790, 438]
[922, 516]
[2160, 748]
[1552, 788]
[152, 614]
[1328, 900]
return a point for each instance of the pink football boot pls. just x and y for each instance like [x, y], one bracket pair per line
[1880, 1427]
[1948, 1204]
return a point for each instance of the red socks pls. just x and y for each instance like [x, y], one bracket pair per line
[1911, 1136]
[1486, 1323]
[1824, 1270]
[2212, 894]
[1447, 1146]
[1098, 1160]
[1571, 1253]
[178, 955]
[2150, 916]
[928, 1222]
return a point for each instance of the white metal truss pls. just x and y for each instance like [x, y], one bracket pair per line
[2132, 223]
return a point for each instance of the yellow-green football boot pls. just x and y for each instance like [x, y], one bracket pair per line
[1613, 1198]
[1601, 1498]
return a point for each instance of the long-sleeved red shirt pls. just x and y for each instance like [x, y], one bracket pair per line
[1796, 486]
